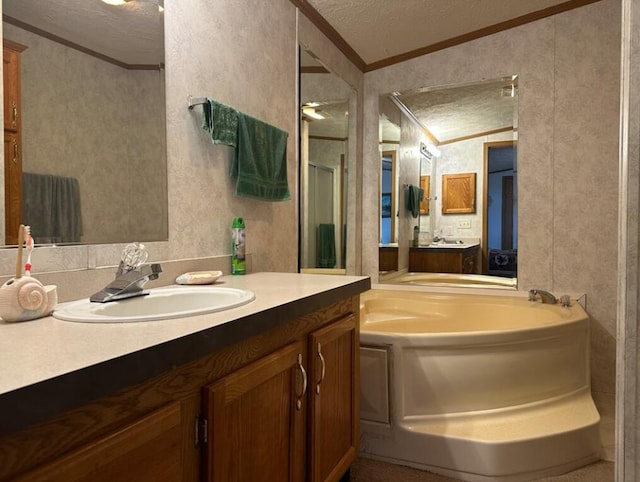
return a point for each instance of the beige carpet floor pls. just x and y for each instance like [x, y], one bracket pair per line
[367, 470]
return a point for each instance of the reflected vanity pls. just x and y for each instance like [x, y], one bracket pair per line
[459, 145]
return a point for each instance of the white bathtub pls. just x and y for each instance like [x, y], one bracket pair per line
[455, 280]
[478, 387]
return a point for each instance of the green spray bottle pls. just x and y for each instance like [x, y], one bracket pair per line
[238, 264]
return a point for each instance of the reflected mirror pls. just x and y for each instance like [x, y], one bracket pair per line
[85, 148]
[449, 163]
[324, 140]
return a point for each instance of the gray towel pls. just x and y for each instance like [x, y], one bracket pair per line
[51, 206]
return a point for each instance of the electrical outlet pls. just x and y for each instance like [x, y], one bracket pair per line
[464, 224]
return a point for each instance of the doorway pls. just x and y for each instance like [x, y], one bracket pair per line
[320, 187]
[500, 227]
[388, 198]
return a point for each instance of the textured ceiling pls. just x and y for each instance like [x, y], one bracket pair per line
[130, 33]
[378, 29]
[455, 112]
[465, 110]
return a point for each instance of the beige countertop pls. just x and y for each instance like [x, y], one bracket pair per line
[447, 246]
[44, 359]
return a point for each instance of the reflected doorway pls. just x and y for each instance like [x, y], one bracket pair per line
[387, 198]
[320, 215]
[500, 233]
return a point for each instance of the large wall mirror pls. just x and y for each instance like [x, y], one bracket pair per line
[324, 151]
[448, 185]
[91, 121]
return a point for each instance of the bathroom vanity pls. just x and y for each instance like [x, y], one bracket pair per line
[265, 391]
[448, 258]
[388, 257]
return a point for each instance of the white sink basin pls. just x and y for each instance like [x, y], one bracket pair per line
[159, 304]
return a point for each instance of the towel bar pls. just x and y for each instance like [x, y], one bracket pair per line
[192, 101]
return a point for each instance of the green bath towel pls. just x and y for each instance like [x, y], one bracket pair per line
[260, 164]
[326, 255]
[414, 196]
[221, 122]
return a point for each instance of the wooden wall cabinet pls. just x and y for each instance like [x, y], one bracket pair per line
[444, 260]
[12, 139]
[425, 185]
[281, 406]
[459, 193]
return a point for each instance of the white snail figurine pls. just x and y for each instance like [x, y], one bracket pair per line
[26, 298]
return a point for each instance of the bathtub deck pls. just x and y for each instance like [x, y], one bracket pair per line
[518, 444]
[519, 423]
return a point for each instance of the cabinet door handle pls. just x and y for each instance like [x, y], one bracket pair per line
[304, 382]
[15, 151]
[15, 115]
[322, 370]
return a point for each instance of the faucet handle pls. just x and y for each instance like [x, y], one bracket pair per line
[134, 255]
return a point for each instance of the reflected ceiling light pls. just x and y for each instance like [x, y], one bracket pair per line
[311, 112]
[116, 2]
[433, 150]
[312, 104]
[509, 91]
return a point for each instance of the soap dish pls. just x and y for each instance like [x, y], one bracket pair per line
[198, 278]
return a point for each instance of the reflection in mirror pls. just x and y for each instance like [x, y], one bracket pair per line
[458, 148]
[324, 133]
[389, 131]
[87, 154]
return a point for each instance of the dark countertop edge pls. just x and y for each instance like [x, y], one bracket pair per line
[41, 401]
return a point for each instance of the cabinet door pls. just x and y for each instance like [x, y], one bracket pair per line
[256, 421]
[11, 83]
[12, 186]
[148, 450]
[334, 389]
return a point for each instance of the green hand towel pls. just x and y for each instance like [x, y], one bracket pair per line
[260, 164]
[326, 253]
[221, 122]
[414, 196]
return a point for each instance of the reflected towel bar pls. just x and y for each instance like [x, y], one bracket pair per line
[192, 101]
[434, 198]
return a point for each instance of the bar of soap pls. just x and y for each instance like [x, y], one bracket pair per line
[198, 277]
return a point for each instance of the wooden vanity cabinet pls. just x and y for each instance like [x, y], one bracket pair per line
[240, 414]
[443, 260]
[147, 450]
[334, 405]
[289, 417]
[255, 418]
[388, 258]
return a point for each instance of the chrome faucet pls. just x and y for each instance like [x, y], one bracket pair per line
[131, 276]
[545, 296]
